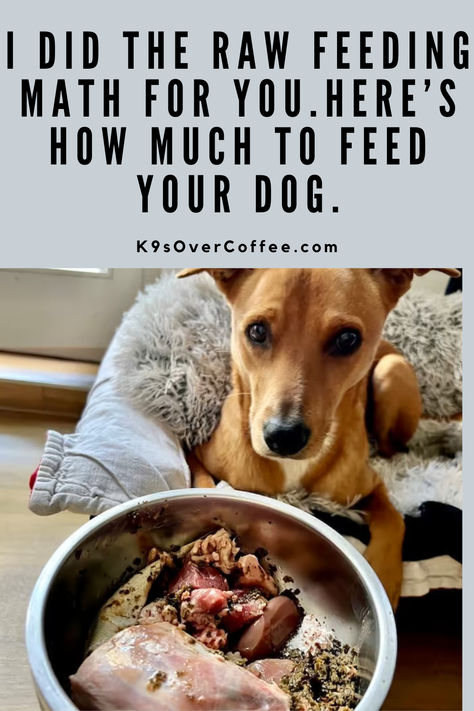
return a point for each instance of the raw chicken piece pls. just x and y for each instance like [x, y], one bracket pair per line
[272, 669]
[252, 575]
[244, 607]
[158, 667]
[218, 549]
[123, 608]
[190, 576]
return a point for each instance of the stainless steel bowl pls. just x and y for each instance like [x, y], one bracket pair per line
[336, 583]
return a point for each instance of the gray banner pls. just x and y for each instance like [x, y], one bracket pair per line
[53, 215]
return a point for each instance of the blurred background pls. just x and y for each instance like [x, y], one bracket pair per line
[68, 313]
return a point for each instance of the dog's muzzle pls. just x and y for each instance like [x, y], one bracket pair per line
[285, 437]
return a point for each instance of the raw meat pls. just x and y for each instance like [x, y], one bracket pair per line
[159, 611]
[271, 630]
[217, 549]
[212, 637]
[209, 600]
[123, 608]
[157, 667]
[199, 609]
[190, 576]
[244, 607]
[272, 670]
[252, 575]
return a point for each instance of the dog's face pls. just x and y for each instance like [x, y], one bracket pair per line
[301, 339]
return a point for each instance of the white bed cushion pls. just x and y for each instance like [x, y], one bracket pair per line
[115, 454]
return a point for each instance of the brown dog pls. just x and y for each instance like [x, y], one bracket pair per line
[306, 352]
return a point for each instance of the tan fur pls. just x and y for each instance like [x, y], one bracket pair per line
[305, 308]
[396, 401]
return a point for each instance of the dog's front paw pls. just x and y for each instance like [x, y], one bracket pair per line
[202, 480]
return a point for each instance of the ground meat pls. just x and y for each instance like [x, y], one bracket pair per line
[250, 574]
[218, 549]
[325, 682]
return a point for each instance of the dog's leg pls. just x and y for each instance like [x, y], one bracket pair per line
[395, 403]
[384, 552]
[200, 477]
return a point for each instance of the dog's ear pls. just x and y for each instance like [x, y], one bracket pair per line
[450, 272]
[217, 274]
[396, 282]
[226, 279]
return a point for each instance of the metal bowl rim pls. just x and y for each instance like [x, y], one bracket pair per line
[45, 679]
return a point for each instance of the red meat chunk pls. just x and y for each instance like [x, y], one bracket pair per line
[191, 576]
[200, 611]
[209, 600]
[244, 607]
[200, 607]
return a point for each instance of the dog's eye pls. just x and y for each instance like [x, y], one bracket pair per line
[258, 333]
[345, 342]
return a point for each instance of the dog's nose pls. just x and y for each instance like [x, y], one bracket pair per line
[285, 437]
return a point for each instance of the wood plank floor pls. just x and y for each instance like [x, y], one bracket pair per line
[429, 668]
[26, 542]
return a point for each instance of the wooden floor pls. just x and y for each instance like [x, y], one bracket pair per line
[429, 668]
[26, 542]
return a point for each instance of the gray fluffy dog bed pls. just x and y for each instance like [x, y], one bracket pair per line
[174, 364]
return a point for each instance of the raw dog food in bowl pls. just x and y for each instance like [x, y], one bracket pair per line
[159, 640]
[143, 608]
